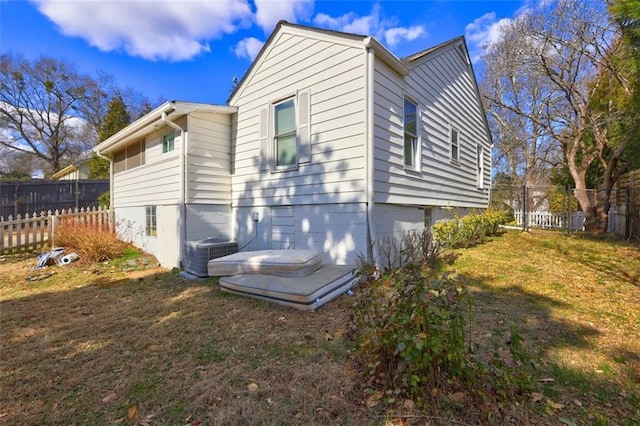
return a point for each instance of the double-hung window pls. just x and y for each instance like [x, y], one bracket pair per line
[411, 152]
[285, 147]
[168, 142]
[284, 133]
[455, 145]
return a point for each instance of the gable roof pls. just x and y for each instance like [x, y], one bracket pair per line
[140, 127]
[384, 54]
[423, 53]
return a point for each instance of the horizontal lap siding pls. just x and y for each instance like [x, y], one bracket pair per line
[445, 91]
[334, 75]
[157, 181]
[208, 221]
[208, 159]
[338, 230]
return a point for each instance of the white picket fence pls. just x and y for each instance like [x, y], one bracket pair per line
[548, 220]
[36, 231]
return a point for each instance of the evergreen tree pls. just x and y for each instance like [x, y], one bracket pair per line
[117, 118]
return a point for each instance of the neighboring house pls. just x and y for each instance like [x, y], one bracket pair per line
[329, 142]
[77, 171]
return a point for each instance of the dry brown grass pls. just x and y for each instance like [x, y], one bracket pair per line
[93, 243]
[125, 342]
[88, 345]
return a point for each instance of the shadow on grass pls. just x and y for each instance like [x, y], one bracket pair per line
[165, 350]
[592, 256]
[570, 391]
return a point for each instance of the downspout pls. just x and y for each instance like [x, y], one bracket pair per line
[183, 184]
[372, 250]
[112, 218]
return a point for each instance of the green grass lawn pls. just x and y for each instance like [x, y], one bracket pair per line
[128, 343]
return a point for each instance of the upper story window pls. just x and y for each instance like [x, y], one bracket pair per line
[285, 147]
[284, 132]
[480, 166]
[129, 157]
[168, 142]
[455, 145]
[411, 154]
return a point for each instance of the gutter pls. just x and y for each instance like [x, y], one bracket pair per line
[386, 56]
[183, 191]
[372, 250]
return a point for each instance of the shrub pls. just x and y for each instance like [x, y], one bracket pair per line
[413, 344]
[411, 333]
[104, 200]
[91, 243]
[469, 230]
[414, 247]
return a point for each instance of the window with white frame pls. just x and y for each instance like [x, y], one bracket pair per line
[480, 166]
[410, 134]
[284, 134]
[455, 145]
[151, 222]
[168, 142]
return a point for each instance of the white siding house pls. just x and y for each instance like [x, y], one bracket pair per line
[170, 178]
[329, 142]
[77, 171]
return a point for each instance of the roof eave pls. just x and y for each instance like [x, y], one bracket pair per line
[386, 56]
[140, 127]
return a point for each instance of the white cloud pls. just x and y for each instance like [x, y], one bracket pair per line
[269, 12]
[483, 32]
[373, 24]
[248, 48]
[395, 35]
[156, 30]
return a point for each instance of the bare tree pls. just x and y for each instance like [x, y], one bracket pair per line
[53, 112]
[38, 105]
[510, 86]
[570, 47]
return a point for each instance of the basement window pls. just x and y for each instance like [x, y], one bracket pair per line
[151, 221]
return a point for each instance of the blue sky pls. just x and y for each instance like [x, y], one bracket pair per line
[191, 49]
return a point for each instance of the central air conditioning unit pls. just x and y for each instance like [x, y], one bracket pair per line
[198, 253]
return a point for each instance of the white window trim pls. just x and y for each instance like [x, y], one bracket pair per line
[151, 221]
[480, 166]
[272, 127]
[455, 159]
[174, 142]
[417, 155]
